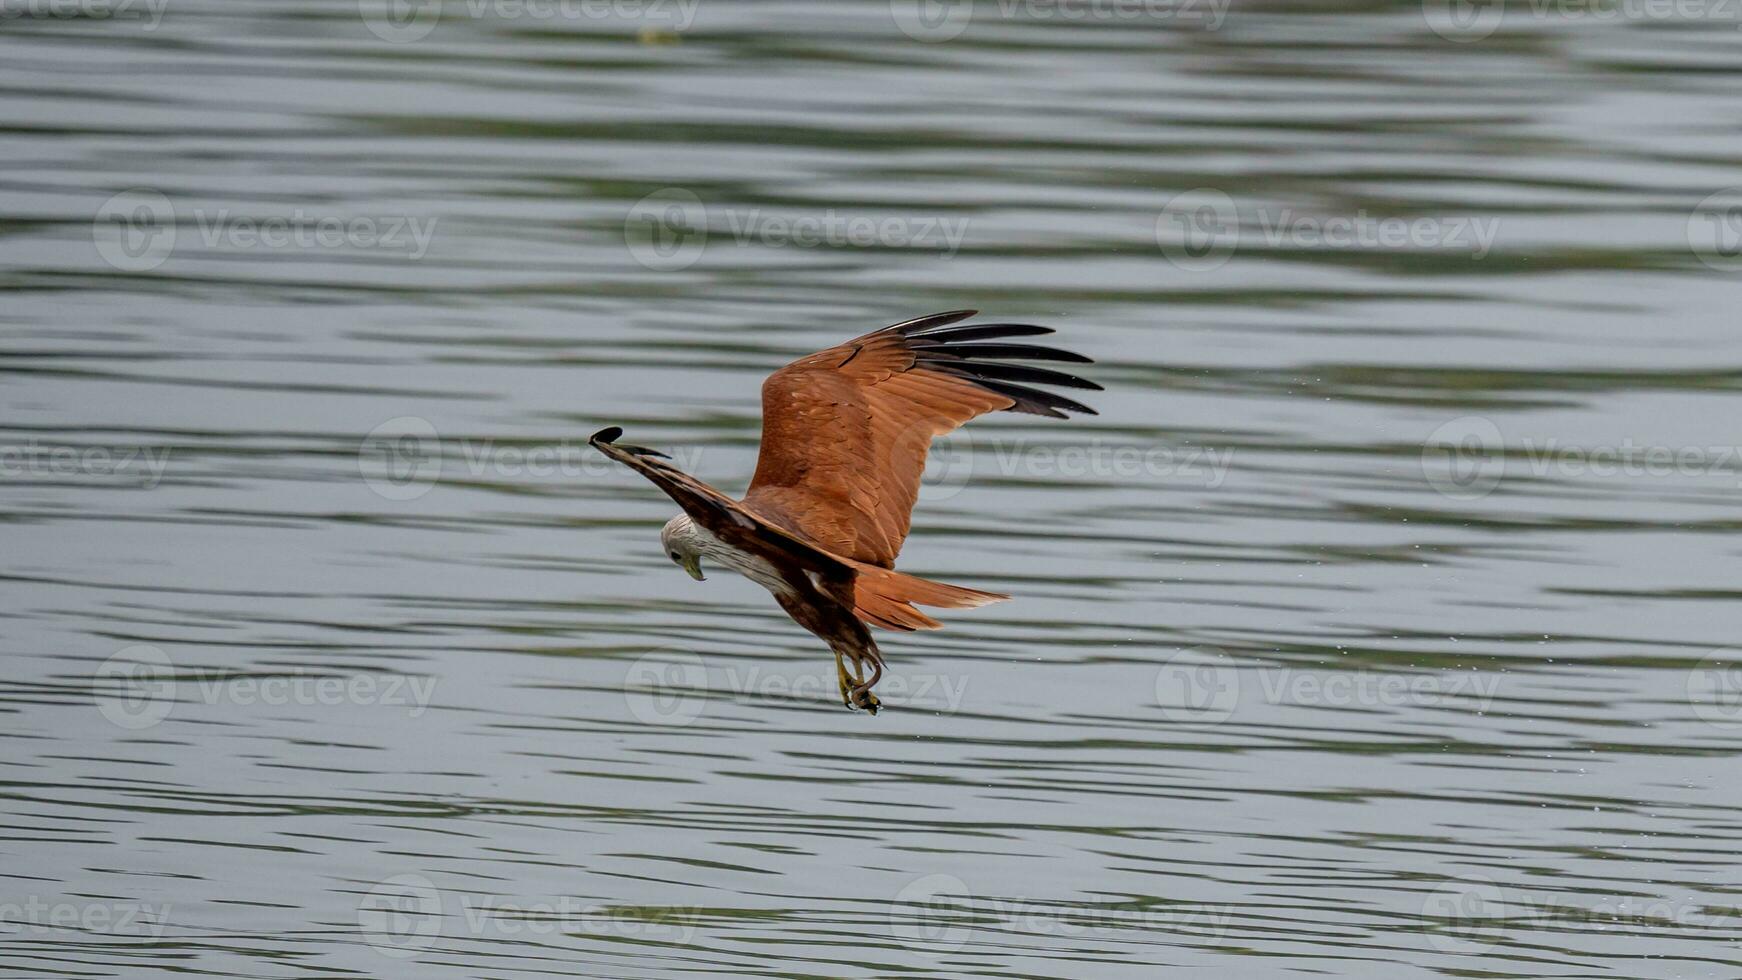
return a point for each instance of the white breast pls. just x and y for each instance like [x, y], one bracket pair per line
[750, 566]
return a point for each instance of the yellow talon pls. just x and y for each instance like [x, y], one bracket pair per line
[845, 682]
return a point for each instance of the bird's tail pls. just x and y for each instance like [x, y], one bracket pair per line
[886, 598]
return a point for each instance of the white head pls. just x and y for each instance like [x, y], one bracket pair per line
[683, 543]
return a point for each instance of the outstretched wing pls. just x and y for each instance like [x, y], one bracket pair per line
[845, 431]
[724, 517]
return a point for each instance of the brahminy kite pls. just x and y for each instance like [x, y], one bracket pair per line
[845, 434]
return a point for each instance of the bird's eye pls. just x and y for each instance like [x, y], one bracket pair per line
[674, 556]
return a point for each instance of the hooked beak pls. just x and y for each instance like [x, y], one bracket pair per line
[693, 565]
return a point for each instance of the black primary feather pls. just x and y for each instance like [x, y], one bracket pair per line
[983, 331]
[917, 324]
[941, 347]
[999, 371]
[1034, 401]
[1018, 352]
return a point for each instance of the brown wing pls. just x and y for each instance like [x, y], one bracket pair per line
[845, 431]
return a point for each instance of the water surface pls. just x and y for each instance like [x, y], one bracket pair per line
[331, 651]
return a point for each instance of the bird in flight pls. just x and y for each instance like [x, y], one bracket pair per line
[845, 434]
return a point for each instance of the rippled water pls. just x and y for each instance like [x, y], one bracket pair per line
[1376, 627]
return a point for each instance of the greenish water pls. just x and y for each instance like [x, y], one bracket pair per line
[1380, 625]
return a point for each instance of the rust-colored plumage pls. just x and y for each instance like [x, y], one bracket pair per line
[845, 434]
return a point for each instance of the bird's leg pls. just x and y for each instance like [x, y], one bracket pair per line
[830, 616]
[843, 679]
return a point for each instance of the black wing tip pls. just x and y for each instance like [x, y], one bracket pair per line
[982, 331]
[931, 321]
[1035, 401]
[951, 349]
[1018, 373]
[609, 435]
[1011, 352]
